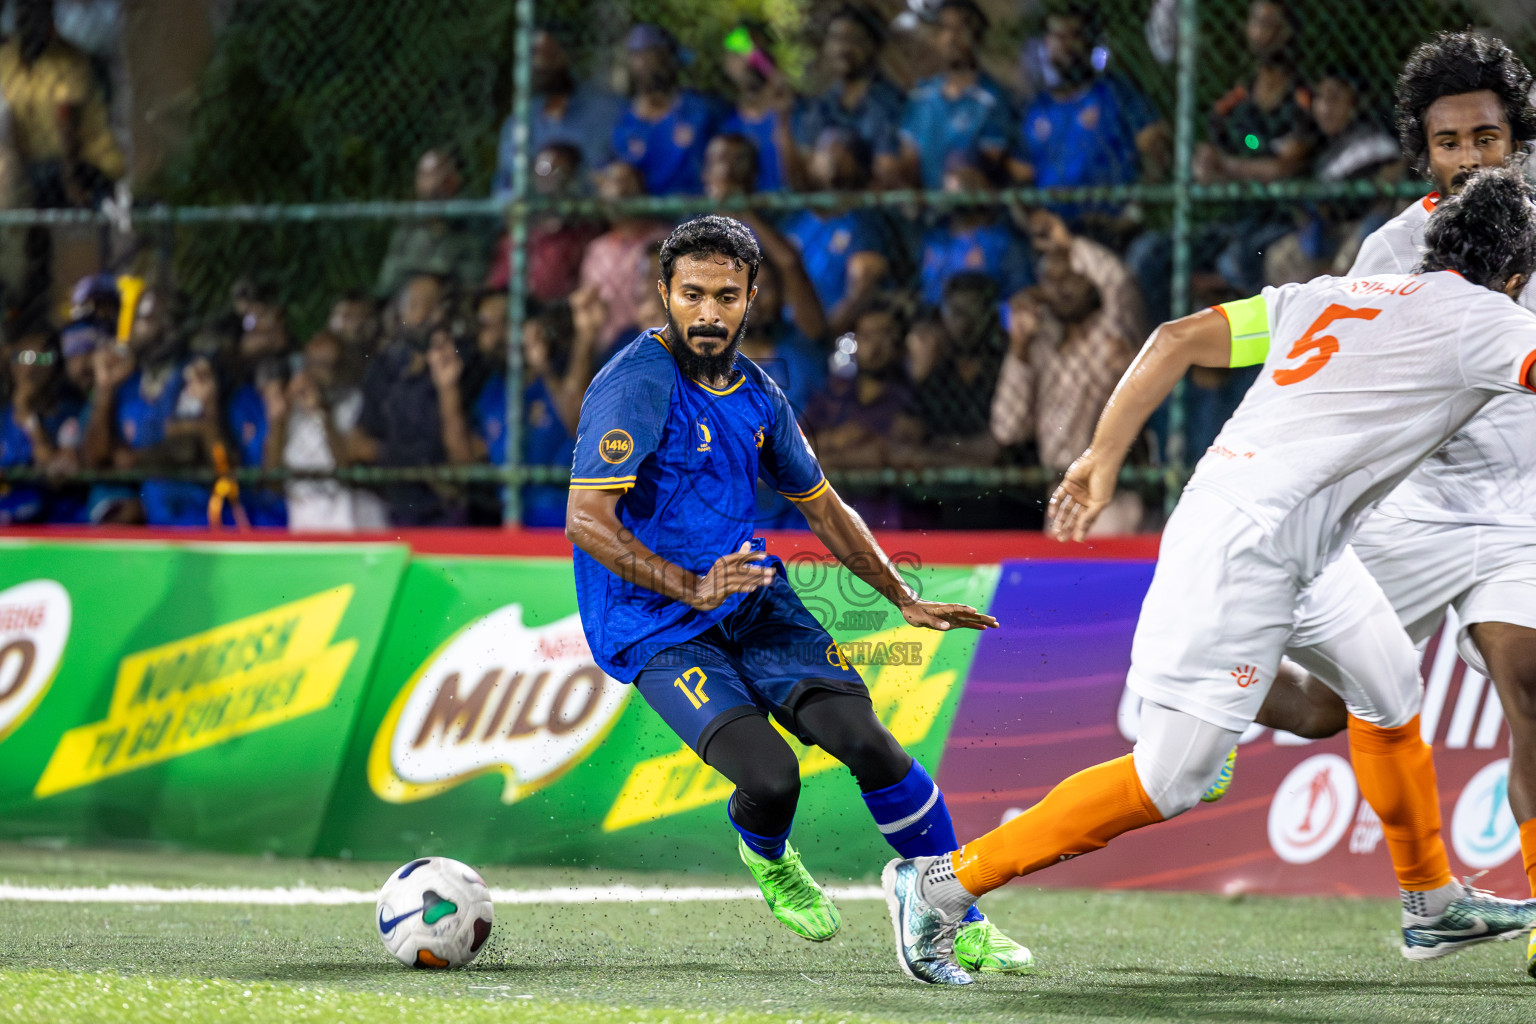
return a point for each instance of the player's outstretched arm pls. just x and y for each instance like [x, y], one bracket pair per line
[1201, 339]
[845, 534]
[592, 524]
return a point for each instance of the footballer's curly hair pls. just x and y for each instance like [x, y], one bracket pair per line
[712, 235]
[1487, 231]
[1454, 63]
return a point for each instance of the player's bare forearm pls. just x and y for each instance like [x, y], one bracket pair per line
[592, 524]
[1202, 339]
[456, 441]
[845, 534]
[98, 447]
[848, 538]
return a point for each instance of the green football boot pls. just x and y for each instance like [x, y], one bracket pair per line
[1223, 781]
[792, 894]
[982, 948]
[1530, 956]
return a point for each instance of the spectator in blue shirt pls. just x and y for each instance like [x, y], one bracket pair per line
[730, 168]
[977, 238]
[95, 307]
[797, 364]
[1088, 128]
[858, 98]
[843, 252]
[961, 109]
[78, 341]
[154, 408]
[262, 378]
[559, 343]
[764, 109]
[563, 112]
[39, 428]
[665, 128]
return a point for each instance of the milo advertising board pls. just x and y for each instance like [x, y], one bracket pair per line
[196, 694]
[489, 734]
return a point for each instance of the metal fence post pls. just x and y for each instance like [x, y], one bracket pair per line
[1183, 175]
[517, 231]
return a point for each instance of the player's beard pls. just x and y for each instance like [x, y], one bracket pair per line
[705, 369]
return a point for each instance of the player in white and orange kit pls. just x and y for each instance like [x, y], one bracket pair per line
[1365, 379]
[1460, 532]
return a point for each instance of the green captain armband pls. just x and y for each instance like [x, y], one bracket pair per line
[1249, 320]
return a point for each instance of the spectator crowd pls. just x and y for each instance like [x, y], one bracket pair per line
[980, 334]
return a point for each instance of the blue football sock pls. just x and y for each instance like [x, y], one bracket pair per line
[770, 847]
[914, 820]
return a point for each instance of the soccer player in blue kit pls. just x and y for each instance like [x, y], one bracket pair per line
[678, 599]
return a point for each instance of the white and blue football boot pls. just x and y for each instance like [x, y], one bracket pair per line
[1473, 917]
[925, 934]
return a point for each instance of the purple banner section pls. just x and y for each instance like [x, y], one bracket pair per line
[1043, 691]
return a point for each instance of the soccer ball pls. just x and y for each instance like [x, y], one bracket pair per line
[434, 912]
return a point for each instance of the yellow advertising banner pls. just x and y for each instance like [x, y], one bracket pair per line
[205, 689]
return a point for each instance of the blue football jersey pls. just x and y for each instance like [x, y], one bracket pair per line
[545, 442]
[770, 172]
[669, 153]
[687, 458]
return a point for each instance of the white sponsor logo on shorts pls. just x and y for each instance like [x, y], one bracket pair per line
[1312, 809]
[1483, 829]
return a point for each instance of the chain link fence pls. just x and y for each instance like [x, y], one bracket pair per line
[972, 212]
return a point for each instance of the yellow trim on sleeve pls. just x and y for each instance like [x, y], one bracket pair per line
[1249, 322]
[616, 486]
[814, 492]
[603, 479]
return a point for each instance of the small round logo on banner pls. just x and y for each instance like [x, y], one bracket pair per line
[1483, 829]
[1312, 809]
[34, 626]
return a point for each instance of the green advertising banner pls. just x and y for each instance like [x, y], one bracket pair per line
[489, 735]
[198, 694]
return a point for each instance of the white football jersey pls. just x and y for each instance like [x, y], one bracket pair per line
[1364, 378]
[1487, 472]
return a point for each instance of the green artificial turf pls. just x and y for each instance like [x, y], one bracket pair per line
[1101, 956]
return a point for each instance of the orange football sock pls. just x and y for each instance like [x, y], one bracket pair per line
[1528, 850]
[1396, 772]
[1082, 814]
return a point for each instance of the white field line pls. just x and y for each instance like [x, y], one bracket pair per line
[306, 896]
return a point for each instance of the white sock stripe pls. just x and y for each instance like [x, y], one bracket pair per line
[915, 816]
